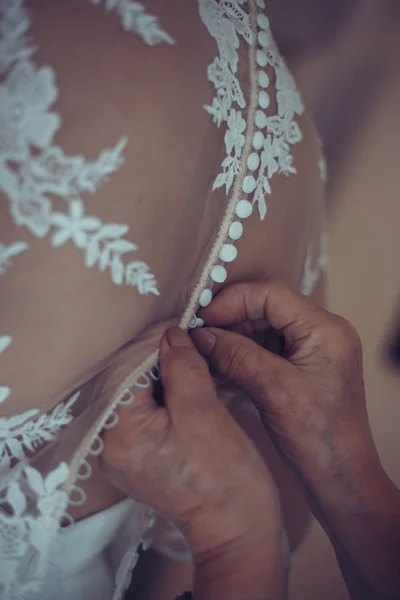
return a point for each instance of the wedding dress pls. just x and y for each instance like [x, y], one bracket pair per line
[149, 153]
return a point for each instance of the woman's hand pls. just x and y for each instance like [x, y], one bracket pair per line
[193, 464]
[311, 399]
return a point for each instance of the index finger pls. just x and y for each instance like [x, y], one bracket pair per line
[282, 308]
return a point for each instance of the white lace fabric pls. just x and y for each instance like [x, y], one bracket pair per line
[66, 213]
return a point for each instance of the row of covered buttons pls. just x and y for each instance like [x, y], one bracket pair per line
[244, 208]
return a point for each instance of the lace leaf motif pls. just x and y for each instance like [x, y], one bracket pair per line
[134, 18]
[33, 170]
[226, 20]
[21, 432]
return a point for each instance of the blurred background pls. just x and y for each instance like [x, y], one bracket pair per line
[345, 55]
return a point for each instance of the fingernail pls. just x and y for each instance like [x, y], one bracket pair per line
[177, 338]
[204, 340]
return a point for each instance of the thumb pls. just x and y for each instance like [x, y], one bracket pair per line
[243, 362]
[187, 383]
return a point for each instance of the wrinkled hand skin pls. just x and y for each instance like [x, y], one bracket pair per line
[311, 399]
[190, 461]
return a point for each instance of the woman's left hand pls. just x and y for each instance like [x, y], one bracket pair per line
[190, 461]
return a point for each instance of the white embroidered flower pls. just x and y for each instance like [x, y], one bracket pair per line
[286, 164]
[234, 138]
[69, 176]
[268, 168]
[289, 103]
[8, 252]
[269, 155]
[49, 497]
[284, 128]
[24, 533]
[12, 537]
[234, 142]
[104, 245]
[288, 98]
[225, 21]
[74, 226]
[228, 90]
[41, 170]
[284, 78]
[25, 98]
[21, 434]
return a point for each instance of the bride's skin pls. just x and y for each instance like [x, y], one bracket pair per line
[70, 323]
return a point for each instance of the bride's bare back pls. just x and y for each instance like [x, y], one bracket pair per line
[145, 164]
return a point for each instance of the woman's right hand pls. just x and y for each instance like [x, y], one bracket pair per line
[311, 399]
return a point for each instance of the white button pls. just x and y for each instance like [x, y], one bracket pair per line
[253, 161]
[261, 58]
[263, 21]
[258, 140]
[236, 230]
[196, 322]
[243, 209]
[260, 3]
[263, 79]
[205, 298]
[263, 39]
[228, 253]
[249, 184]
[261, 119]
[263, 99]
[219, 274]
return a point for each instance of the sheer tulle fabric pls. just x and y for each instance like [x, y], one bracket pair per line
[148, 154]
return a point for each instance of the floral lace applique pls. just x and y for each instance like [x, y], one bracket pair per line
[33, 170]
[226, 21]
[21, 433]
[5, 390]
[135, 19]
[30, 509]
